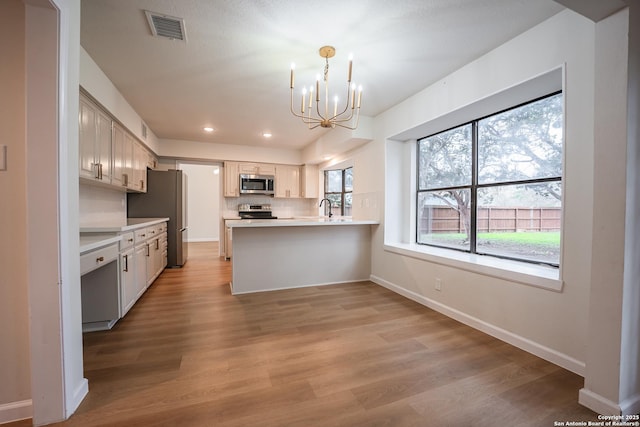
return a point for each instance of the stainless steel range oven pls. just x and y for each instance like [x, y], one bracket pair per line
[247, 211]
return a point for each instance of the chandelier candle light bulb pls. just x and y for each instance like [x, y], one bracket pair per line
[346, 119]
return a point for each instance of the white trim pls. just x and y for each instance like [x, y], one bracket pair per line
[597, 403]
[549, 354]
[525, 273]
[296, 287]
[16, 411]
[631, 405]
[78, 395]
[202, 239]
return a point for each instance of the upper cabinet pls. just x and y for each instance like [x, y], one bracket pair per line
[287, 181]
[121, 153]
[256, 169]
[231, 179]
[290, 181]
[108, 153]
[140, 158]
[309, 181]
[95, 142]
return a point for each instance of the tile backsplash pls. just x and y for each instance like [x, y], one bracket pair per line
[282, 208]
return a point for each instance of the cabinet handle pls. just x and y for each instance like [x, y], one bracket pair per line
[96, 170]
[157, 244]
[148, 249]
[143, 235]
[125, 179]
[142, 184]
[130, 240]
[100, 259]
[126, 262]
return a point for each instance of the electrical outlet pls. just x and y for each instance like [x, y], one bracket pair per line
[438, 284]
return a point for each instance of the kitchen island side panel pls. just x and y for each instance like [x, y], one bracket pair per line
[271, 258]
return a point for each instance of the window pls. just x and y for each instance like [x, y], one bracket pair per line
[494, 186]
[338, 187]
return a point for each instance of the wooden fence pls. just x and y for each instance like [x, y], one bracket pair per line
[440, 219]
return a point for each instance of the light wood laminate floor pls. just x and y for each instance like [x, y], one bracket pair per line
[191, 354]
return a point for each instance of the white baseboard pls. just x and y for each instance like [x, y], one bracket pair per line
[202, 239]
[631, 406]
[553, 356]
[78, 395]
[597, 403]
[604, 406]
[16, 411]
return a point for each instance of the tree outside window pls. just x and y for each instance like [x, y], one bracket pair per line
[494, 186]
[338, 187]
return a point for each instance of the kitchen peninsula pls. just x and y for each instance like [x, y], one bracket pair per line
[282, 254]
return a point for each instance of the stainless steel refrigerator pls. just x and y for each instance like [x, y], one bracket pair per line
[166, 196]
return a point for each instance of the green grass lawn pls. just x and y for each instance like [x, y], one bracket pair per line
[543, 238]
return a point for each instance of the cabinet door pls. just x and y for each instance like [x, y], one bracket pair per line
[119, 176]
[139, 168]
[128, 288]
[287, 181]
[231, 180]
[129, 179]
[103, 149]
[266, 169]
[140, 265]
[309, 181]
[87, 149]
[248, 168]
[153, 259]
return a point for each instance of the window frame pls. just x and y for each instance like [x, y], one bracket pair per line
[343, 191]
[474, 186]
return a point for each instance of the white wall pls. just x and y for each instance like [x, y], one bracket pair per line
[568, 327]
[93, 80]
[511, 308]
[612, 364]
[192, 150]
[14, 321]
[203, 201]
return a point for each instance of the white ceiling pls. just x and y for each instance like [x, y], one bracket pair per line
[233, 72]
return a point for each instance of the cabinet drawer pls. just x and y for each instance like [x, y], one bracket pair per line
[127, 240]
[141, 235]
[163, 227]
[153, 231]
[96, 259]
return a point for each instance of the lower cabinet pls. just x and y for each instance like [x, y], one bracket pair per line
[129, 293]
[147, 260]
[140, 262]
[115, 276]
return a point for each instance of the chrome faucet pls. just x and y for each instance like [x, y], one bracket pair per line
[328, 201]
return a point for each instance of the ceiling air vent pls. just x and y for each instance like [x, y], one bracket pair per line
[166, 26]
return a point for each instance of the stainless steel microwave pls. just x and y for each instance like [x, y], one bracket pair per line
[256, 184]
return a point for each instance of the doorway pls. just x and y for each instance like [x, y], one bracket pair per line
[203, 200]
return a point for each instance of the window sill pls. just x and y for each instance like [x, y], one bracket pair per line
[540, 276]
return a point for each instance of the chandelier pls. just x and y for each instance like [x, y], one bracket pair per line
[325, 116]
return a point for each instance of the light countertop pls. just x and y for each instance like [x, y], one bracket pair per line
[131, 224]
[298, 222]
[90, 242]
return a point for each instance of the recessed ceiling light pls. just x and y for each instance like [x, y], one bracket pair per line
[267, 134]
[208, 129]
[326, 157]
